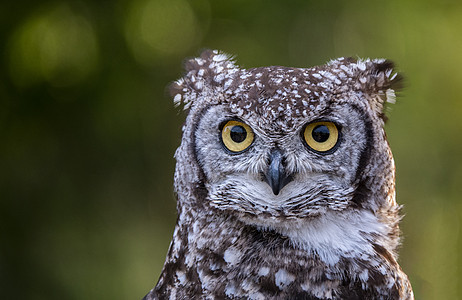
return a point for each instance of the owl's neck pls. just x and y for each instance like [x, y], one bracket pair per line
[211, 252]
[334, 236]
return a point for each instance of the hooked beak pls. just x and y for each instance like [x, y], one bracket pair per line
[276, 176]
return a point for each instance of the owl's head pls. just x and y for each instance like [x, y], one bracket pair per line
[276, 142]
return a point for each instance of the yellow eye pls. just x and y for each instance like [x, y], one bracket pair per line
[321, 136]
[236, 136]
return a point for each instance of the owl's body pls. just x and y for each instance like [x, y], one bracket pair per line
[285, 184]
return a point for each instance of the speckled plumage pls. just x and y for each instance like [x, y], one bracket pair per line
[331, 232]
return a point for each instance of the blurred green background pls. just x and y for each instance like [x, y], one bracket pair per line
[88, 133]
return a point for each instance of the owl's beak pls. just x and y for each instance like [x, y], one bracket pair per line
[276, 176]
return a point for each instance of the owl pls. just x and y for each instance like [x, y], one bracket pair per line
[285, 184]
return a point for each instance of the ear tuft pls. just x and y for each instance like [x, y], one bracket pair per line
[377, 77]
[208, 70]
[387, 78]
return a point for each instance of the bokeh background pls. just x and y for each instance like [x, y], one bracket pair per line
[88, 133]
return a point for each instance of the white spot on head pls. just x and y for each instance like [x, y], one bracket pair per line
[205, 280]
[230, 290]
[199, 85]
[220, 57]
[391, 282]
[231, 256]
[177, 99]
[219, 78]
[316, 75]
[361, 65]
[391, 97]
[382, 270]
[282, 278]
[214, 266]
[257, 296]
[228, 83]
[189, 261]
[345, 69]
[364, 275]
[263, 271]
[181, 276]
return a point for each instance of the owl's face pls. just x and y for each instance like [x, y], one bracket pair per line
[278, 143]
[269, 172]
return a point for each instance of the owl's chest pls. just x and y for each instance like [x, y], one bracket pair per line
[257, 265]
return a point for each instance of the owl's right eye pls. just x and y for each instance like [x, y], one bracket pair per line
[236, 136]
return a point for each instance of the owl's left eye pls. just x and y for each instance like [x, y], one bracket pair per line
[321, 136]
[236, 136]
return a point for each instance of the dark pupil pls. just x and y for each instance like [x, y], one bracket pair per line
[238, 134]
[320, 133]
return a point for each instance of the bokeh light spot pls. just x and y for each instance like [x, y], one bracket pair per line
[156, 29]
[57, 46]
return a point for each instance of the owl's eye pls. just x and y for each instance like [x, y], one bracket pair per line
[236, 136]
[321, 136]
